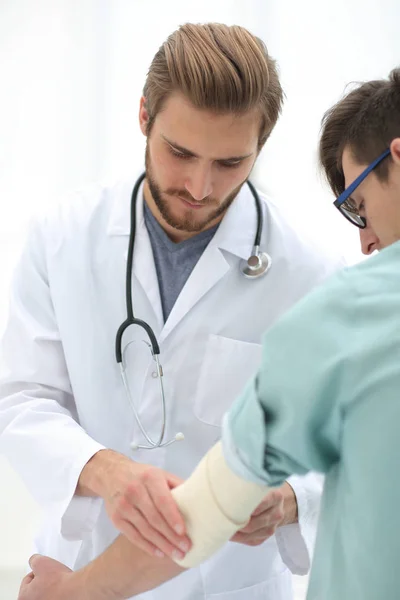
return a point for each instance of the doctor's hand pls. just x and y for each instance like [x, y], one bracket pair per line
[138, 501]
[278, 508]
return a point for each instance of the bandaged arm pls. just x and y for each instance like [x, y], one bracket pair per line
[215, 504]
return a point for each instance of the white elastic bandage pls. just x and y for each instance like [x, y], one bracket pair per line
[215, 504]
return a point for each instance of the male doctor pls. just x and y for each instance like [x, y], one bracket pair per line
[68, 426]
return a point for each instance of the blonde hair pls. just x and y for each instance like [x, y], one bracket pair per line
[217, 68]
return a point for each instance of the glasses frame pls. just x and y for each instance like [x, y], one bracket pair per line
[344, 196]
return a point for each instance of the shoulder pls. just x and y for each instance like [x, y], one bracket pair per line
[364, 294]
[89, 208]
[295, 247]
[375, 283]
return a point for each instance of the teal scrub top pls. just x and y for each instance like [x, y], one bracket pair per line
[327, 398]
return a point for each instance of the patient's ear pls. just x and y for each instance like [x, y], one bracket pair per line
[395, 150]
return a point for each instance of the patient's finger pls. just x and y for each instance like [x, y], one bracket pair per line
[25, 582]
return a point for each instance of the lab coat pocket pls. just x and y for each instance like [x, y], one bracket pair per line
[227, 366]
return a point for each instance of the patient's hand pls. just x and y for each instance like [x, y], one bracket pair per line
[50, 580]
[279, 507]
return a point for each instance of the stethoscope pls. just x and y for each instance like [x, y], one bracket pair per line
[257, 265]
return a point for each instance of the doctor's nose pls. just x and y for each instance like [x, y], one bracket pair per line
[199, 184]
[369, 241]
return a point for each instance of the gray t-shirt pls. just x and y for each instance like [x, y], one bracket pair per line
[174, 262]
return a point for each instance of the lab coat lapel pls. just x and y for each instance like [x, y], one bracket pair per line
[235, 235]
[144, 270]
[210, 268]
[144, 267]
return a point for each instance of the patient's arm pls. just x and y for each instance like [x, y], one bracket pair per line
[215, 503]
[123, 570]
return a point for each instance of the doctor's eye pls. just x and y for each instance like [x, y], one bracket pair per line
[229, 164]
[178, 154]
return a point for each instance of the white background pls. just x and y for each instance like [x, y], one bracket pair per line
[71, 74]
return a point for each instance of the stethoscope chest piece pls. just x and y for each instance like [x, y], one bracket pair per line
[257, 265]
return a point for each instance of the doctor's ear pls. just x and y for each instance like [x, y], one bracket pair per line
[395, 150]
[144, 117]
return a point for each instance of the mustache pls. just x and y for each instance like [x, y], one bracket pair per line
[184, 194]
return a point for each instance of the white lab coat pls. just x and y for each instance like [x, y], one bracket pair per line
[62, 399]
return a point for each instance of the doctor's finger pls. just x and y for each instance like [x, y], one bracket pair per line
[137, 539]
[254, 539]
[160, 493]
[173, 481]
[150, 535]
[269, 518]
[140, 510]
[274, 498]
[152, 515]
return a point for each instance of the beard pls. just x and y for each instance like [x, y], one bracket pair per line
[189, 222]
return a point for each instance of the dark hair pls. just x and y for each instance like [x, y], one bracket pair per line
[366, 121]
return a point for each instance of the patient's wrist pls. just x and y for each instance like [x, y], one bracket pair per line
[86, 584]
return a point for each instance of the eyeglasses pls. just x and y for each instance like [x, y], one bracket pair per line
[345, 202]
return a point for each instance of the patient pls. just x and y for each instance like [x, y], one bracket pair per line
[326, 398]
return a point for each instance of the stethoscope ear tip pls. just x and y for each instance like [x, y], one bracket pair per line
[134, 446]
[179, 437]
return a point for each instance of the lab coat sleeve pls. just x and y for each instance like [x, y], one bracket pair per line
[288, 422]
[296, 541]
[39, 431]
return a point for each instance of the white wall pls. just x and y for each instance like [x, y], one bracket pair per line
[71, 73]
[321, 46]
